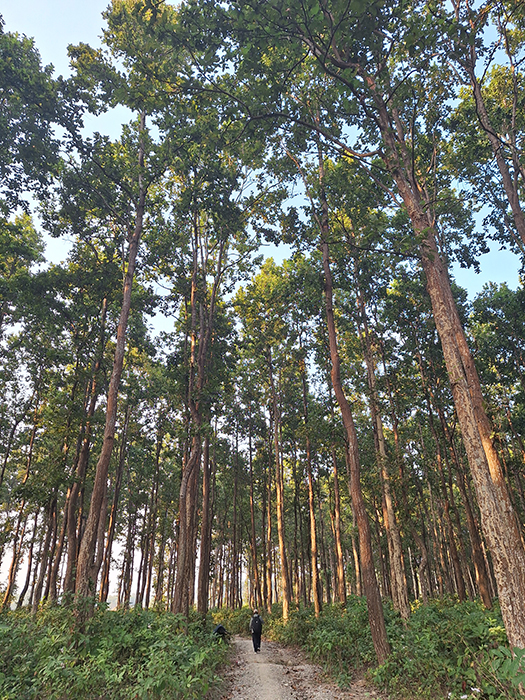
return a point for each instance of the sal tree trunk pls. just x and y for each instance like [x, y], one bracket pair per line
[498, 519]
[279, 498]
[86, 567]
[373, 598]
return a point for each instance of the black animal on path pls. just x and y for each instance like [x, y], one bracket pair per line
[222, 632]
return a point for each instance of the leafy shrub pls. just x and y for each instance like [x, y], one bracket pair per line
[235, 621]
[446, 650]
[119, 655]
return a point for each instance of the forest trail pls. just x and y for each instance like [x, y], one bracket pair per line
[281, 673]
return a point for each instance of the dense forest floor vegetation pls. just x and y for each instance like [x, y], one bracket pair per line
[118, 655]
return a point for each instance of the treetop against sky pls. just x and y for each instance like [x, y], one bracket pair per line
[55, 24]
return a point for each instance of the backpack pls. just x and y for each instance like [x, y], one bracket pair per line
[256, 625]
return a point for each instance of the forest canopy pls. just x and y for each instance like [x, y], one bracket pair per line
[342, 421]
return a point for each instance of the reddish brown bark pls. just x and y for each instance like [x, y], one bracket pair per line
[86, 567]
[279, 497]
[371, 589]
[311, 503]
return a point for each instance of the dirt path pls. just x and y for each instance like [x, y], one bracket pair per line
[280, 673]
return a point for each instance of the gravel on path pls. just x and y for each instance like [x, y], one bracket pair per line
[282, 673]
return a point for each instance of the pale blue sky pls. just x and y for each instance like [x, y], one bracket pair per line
[56, 23]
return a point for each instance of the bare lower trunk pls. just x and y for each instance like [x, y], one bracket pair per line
[206, 523]
[86, 568]
[104, 586]
[371, 589]
[498, 519]
[340, 566]
[269, 544]
[18, 541]
[253, 539]
[279, 499]
[311, 504]
[395, 550]
[185, 557]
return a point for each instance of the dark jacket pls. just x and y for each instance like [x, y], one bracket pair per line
[256, 624]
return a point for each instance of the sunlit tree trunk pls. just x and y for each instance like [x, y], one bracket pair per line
[498, 519]
[371, 589]
[279, 496]
[86, 567]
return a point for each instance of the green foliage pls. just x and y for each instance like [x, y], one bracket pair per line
[119, 655]
[339, 639]
[30, 105]
[447, 650]
[235, 621]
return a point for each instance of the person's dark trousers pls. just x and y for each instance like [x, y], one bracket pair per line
[256, 639]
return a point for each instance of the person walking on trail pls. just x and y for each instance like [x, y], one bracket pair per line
[256, 624]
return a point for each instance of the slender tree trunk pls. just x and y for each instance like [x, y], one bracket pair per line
[340, 564]
[206, 531]
[70, 507]
[371, 589]
[497, 146]
[86, 574]
[44, 556]
[106, 568]
[253, 539]
[279, 497]
[325, 566]
[478, 559]
[18, 541]
[311, 501]
[395, 549]
[24, 590]
[269, 544]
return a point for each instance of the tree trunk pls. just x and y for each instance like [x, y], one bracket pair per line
[206, 531]
[18, 541]
[279, 497]
[371, 589]
[86, 574]
[44, 556]
[253, 539]
[269, 543]
[340, 564]
[70, 507]
[395, 549]
[24, 590]
[511, 190]
[311, 502]
[104, 587]
[498, 519]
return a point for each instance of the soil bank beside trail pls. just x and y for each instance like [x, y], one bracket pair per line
[282, 673]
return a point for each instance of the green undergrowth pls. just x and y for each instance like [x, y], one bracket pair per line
[138, 654]
[235, 621]
[448, 650]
